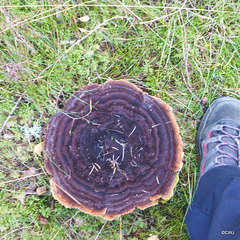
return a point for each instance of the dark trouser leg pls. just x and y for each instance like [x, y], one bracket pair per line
[214, 213]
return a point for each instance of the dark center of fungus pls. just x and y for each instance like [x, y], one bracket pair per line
[114, 150]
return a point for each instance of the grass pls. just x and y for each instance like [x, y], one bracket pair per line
[180, 51]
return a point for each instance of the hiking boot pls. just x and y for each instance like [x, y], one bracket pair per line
[218, 135]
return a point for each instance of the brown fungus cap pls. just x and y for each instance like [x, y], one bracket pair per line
[111, 149]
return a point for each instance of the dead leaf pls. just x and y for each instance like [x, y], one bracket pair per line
[59, 16]
[8, 135]
[66, 42]
[11, 122]
[153, 237]
[41, 190]
[29, 190]
[79, 221]
[30, 172]
[31, 187]
[38, 148]
[13, 69]
[82, 30]
[42, 220]
[84, 18]
[21, 198]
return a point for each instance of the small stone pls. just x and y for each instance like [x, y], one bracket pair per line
[84, 18]
[153, 237]
[204, 100]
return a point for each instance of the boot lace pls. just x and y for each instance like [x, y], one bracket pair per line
[229, 143]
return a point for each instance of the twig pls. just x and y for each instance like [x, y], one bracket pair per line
[25, 20]
[168, 15]
[123, 148]
[157, 179]
[185, 52]
[16, 32]
[115, 5]
[121, 236]
[153, 126]
[15, 230]
[100, 231]
[141, 21]
[14, 94]
[9, 116]
[189, 89]
[65, 224]
[19, 179]
[94, 167]
[132, 131]
[7, 99]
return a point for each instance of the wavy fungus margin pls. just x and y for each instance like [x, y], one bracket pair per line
[111, 149]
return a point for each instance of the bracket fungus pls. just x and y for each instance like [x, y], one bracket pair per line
[111, 149]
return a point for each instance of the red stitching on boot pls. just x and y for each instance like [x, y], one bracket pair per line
[205, 144]
[202, 168]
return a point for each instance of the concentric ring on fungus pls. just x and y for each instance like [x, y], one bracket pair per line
[111, 149]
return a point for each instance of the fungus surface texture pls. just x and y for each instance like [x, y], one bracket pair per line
[111, 149]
